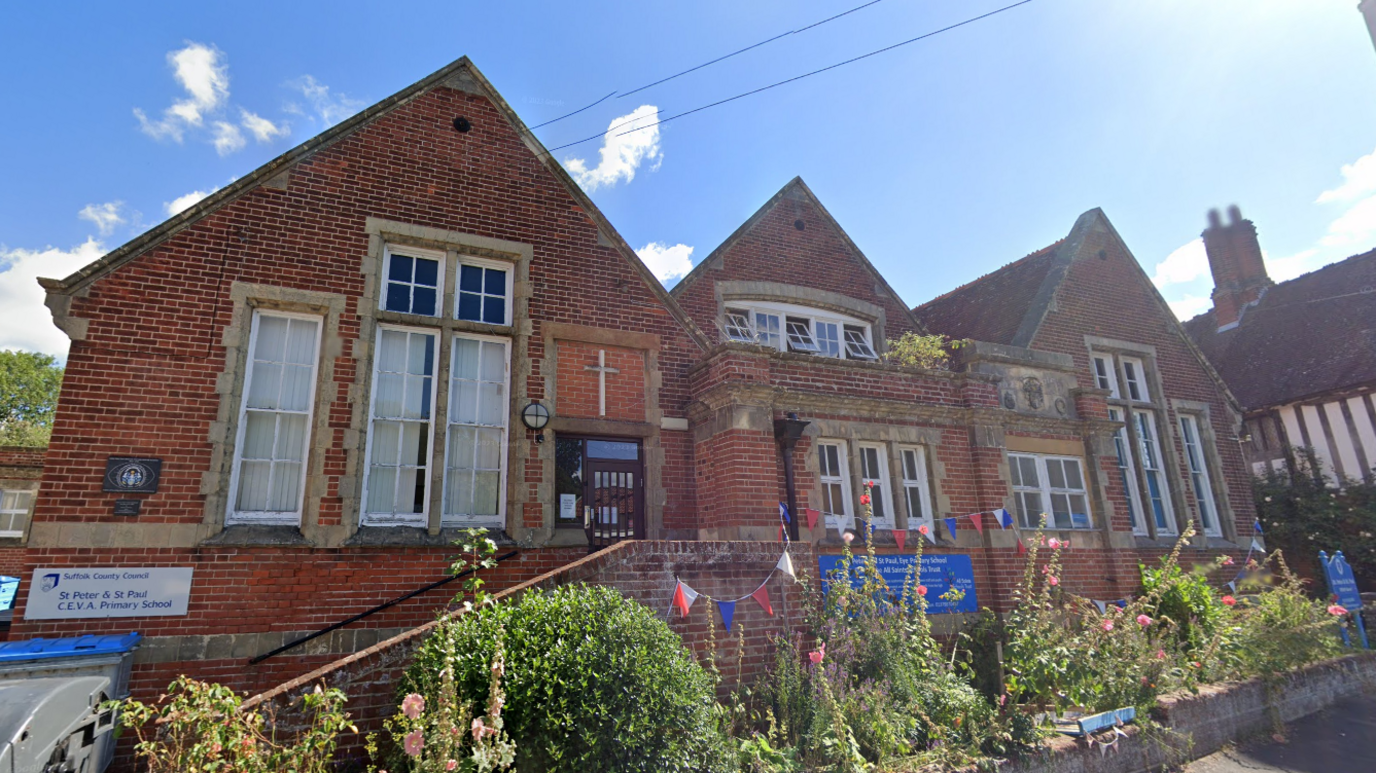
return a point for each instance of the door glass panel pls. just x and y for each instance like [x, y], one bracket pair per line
[608, 449]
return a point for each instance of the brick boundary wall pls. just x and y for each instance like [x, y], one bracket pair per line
[1201, 724]
[642, 570]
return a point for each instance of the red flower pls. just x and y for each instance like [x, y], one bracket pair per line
[1229, 601]
[1337, 610]
[869, 484]
[865, 498]
[922, 590]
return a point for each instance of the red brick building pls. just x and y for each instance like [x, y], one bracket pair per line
[333, 360]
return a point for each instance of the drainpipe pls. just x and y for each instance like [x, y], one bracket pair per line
[787, 432]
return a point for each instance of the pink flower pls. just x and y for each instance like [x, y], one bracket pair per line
[1229, 601]
[1053, 543]
[1160, 654]
[922, 590]
[413, 743]
[922, 530]
[1227, 560]
[817, 655]
[1143, 620]
[864, 499]
[1053, 580]
[1144, 681]
[1337, 610]
[869, 484]
[1108, 625]
[412, 706]
[479, 729]
[847, 537]
[450, 765]
[1195, 664]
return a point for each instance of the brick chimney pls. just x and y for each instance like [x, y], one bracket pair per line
[1240, 276]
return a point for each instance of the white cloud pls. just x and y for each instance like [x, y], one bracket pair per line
[177, 205]
[1190, 307]
[261, 128]
[105, 216]
[329, 108]
[667, 262]
[1355, 227]
[1186, 264]
[1283, 269]
[227, 138]
[201, 70]
[25, 323]
[1359, 179]
[622, 152]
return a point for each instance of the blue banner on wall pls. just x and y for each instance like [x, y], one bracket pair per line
[1340, 580]
[939, 573]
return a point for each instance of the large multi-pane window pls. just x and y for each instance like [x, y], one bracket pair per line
[1199, 475]
[831, 459]
[793, 328]
[1154, 473]
[440, 399]
[1050, 485]
[477, 432]
[268, 479]
[400, 431]
[1128, 472]
[874, 468]
[14, 512]
[915, 489]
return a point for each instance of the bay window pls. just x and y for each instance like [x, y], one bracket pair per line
[793, 328]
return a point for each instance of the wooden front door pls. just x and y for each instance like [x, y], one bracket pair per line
[604, 478]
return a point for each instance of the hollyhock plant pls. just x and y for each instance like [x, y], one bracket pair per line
[1229, 601]
[1337, 610]
[414, 743]
[1053, 580]
[922, 590]
[864, 499]
[1143, 620]
[923, 530]
[412, 706]
[847, 538]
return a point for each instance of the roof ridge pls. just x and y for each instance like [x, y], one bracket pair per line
[1000, 269]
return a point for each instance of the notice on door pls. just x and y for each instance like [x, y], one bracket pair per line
[66, 592]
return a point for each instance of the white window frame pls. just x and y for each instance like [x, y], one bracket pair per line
[233, 516]
[411, 252]
[1046, 490]
[1193, 441]
[860, 347]
[843, 520]
[421, 519]
[1127, 467]
[485, 263]
[737, 325]
[1105, 373]
[798, 332]
[468, 520]
[813, 317]
[769, 328]
[881, 480]
[831, 345]
[1137, 384]
[14, 520]
[1149, 447]
[917, 481]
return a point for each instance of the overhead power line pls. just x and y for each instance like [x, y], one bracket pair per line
[752, 92]
[710, 63]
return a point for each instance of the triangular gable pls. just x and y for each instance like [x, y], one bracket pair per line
[797, 194]
[1005, 306]
[461, 75]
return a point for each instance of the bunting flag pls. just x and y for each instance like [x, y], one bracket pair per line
[1257, 546]
[684, 597]
[951, 525]
[1005, 519]
[1121, 603]
[930, 532]
[977, 520]
[761, 595]
[1231, 585]
[812, 516]
[785, 565]
[1022, 549]
[901, 537]
[783, 513]
[1257, 526]
[728, 610]
[1102, 605]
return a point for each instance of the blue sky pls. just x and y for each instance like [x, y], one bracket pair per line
[943, 160]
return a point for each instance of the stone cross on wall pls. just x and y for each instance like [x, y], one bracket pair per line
[602, 371]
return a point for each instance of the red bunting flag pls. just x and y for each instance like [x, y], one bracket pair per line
[762, 596]
[901, 537]
[977, 520]
[684, 597]
[1022, 549]
[812, 516]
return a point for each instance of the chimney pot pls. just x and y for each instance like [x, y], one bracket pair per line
[1215, 219]
[1234, 215]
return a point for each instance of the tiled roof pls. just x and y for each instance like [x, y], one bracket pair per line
[993, 307]
[1311, 335]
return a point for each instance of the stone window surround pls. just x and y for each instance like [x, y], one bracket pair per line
[1168, 437]
[728, 292]
[893, 438]
[1213, 463]
[20, 484]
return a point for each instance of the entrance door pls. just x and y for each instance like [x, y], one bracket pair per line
[605, 478]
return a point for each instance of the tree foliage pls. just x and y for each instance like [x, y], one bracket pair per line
[29, 385]
[1305, 513]
[915, 350]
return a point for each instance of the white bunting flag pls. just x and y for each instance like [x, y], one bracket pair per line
[785, 565]
[1232, 586]
[1257, 546]
[1102, 605]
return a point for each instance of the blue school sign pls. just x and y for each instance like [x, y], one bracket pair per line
[1343, 586]
[939, 573]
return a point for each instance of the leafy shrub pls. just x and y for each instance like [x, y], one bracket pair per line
[1185, 599]
[1305, 513]
[199, 726]
[594, 682]
[1278, 627]
[915, 350]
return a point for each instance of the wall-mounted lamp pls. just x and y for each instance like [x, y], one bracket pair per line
[536, 417]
